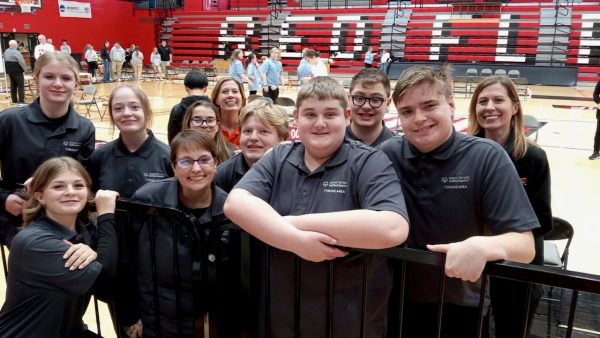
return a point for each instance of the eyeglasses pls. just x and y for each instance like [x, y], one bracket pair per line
[374, 102]
[199, 121]
[186, 163]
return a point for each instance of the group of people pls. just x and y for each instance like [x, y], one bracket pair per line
[477, 198]
[267, 76]
[114, 58]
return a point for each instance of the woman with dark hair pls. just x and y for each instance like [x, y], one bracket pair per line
[46, 128]
[192, 191]
[137, 156]
[205, 117]
[495, 113]
[59, 259]
[253, 73]
[228, 95]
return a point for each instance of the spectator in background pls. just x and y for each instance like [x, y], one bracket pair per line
[137, 62]
[305, 69]
[51, 43]
[369, 55]
[195, 84]
[91, 58]
[155, 60]
[236, 68]
[64, 47]
[117, 57]
[596, 152]
[105, 56]
[166, 56]
[15, 68]
[253, 73]
[42, 47]
[272, 73]
[385, 61]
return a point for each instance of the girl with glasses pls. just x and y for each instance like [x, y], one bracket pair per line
[60, 258]
[204, 116]
[192, 191]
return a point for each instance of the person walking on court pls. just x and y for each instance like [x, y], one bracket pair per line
[596, 152]
[272, 73]
[15, 67]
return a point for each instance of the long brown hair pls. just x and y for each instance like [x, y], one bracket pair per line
[520, 142]
[42, 177]
[222, 150]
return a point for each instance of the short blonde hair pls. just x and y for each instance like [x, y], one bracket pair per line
[417, 75]
[322, 88]
[269, 114]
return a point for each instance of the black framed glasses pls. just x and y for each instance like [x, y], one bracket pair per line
[199, 121]
[186, 163]
[374, 102]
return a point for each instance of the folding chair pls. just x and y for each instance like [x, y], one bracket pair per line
[530, 122]
[285, 101]
[88, 99]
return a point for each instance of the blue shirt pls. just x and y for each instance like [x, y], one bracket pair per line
[236, 69]
[369, 57]
[304, 70]
[254, 71]
[273, 70]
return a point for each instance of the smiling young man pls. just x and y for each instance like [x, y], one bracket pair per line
[263, 126]
[369, 99]
[308, 198]
[464, 198]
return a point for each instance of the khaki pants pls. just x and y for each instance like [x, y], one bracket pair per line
[116, 69]
[137, 71]
[163, 66]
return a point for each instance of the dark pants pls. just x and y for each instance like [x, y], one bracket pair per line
[92, 66]
[106, 64]
[597, 136]
[272, 93]
[420, 321]
[17, 81]
[253, 92]
[368, 65]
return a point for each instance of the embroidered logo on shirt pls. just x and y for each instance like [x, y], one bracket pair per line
[455, 182]
[72, 146]
[157, 176]
[336, 187]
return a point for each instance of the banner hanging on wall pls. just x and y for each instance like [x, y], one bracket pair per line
[75, 9]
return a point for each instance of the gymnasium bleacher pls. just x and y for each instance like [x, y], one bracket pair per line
[516, 32]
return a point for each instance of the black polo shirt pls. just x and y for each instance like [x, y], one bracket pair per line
[231, 171]
[45, 299]
[385, 135]
[355, 177]
[466, 187]
[114, 167]
[28, 138]
[165, 53]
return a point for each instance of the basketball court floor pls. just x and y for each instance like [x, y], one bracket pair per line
[567, 138]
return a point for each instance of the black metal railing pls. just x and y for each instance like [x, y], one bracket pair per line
[208, 278]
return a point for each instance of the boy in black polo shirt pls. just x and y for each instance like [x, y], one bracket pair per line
[306, 198]
[465, 199]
